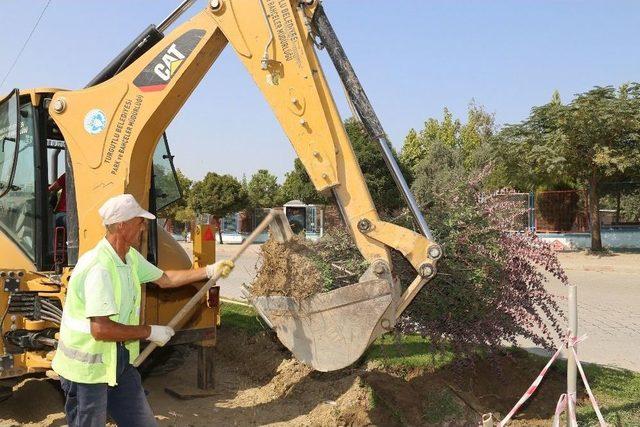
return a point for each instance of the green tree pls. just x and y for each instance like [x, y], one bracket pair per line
[262, 189]
[470, 136]
[218, 195]
[417, 144]
[587, 142]
[385, 195]
[384, 192]
[477, 131]
[298, 186]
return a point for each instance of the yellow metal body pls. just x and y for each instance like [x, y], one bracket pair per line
[118, 160]
[271, 38]
[204, 245]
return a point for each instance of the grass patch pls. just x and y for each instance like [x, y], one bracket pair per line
[617, 392]
[442, 407]
[241, 317]
[410, 351]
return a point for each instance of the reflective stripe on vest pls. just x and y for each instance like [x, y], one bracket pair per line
[76, 325]
[80, 356]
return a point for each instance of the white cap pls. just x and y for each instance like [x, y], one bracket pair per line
[122, 208]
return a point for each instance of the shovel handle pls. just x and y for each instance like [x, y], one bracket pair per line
[186, 309]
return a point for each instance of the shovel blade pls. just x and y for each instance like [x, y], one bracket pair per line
[280, 229]
[331, 330]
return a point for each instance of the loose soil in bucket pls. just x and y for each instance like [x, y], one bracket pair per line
[288, 269]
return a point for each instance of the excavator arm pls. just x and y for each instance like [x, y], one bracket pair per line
[111, 129]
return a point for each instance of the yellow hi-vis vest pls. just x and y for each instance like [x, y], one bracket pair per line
[79, 357]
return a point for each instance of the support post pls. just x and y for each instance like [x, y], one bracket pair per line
[572, 370]
[532, 212]
[205, 365]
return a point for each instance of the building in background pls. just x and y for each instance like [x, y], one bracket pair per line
[305, 218]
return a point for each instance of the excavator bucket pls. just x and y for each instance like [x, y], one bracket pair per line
[331, 330]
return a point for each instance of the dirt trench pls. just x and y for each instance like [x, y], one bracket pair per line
[258, 383]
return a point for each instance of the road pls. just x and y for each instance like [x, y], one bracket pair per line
[608, 306]
[608, 301]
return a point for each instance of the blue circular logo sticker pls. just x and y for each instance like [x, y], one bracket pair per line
[95, 121]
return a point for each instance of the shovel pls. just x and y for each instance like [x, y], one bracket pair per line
[280, 231]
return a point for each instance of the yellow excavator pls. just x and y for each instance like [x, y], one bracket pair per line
[111, 137]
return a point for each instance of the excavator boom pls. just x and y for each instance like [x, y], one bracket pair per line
[112, 126]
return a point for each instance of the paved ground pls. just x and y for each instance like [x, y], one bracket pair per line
[244, 272]
[608, 296]
[608, 306]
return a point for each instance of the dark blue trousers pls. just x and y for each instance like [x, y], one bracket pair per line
[87, 405]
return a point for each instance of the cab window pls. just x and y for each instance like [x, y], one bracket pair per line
[18, 205]
[167, 189]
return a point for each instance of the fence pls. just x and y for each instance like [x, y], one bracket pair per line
[620, 204]
[518, 210]
[567, 211]
[561, 211]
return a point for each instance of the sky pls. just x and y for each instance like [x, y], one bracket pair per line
[413, 58]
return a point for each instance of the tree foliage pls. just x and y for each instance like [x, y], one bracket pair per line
[384, 192]
[298, 186]
[385, 195]
[469, 136]
[262, 189]
[490, 282]
[218, 195]
[593, 139]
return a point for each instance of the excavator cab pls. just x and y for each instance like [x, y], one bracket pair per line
[32, 181]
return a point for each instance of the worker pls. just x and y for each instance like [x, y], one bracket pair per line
[60, 208]
[100, 331]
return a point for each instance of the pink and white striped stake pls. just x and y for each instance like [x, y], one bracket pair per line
[565, 401]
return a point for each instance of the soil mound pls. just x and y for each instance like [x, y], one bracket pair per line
[35, 402]
[287, 269]
[258, 383]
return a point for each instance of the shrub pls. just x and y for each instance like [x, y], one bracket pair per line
[490, 283]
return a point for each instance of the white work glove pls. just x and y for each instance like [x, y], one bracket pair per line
[160, 334]
[222, 267]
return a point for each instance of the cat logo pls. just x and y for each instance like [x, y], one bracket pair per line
[159, 72]
[170, 63]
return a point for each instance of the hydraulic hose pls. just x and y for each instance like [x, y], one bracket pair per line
[360, 101]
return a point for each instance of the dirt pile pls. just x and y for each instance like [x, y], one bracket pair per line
[287, 269]
[35, 402]
[258, 383]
